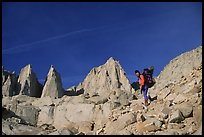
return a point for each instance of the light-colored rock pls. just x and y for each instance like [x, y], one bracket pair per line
[45, 115]
[8, 87]
[9, 82]
[123, 121]
[98, 100]
[146, 126]
[23, 99]
[124, 132]
[28, 83]
[197, 115]
[166, 111]
[185, 108]
[55, 133]
[167, 132]
[171, 97]
[86, 127]
[175, 125]
[44, 101]
[180, 66]
[140, 117]
[176, 117]
[7, 128]
[53, 85]
[105, 78]
[179, 99]
[6, 100]
[101, 115]
[72, 113]
[199, 131]
[163, 94]
[21, 129]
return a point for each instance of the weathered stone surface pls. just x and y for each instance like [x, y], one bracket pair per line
[199, 131]
[167, 132]
[98, 100]
[101, 115]
[179, 99]
[122, 122]
[105, 78]
[62, 132]
[76, 113]
[6, 101]
[176, 117]
[28, 113]
[9, 82]
[166, 110]
[28, 83]
[53, 85]
[7, 88]
[21, 129]
[7, 128]
[163, 94]
[23, 98]
[44, 101]
[146, 126]
[171, 97]
[86, 127]
[197, 115]
[186, 109]
[45, 115]
[180, 66]
[140, 117]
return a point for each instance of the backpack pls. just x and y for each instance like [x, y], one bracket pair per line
[147, 73]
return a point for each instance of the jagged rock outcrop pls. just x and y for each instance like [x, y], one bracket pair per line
[53, 84]
[28, 83]
[176, 108]
[104, 79]
[9, 81]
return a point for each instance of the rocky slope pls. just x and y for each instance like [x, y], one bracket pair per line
[103, 103]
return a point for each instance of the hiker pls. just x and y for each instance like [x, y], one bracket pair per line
[143, 86]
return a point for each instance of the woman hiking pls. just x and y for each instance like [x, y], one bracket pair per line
[143, 87]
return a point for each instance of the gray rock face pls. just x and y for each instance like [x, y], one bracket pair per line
[9, 81]
[28, 83]
[176, 117]
[53, 85]
[105, 78]
[28, 113]
[186, 109]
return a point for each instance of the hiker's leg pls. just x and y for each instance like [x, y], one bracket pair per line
[145, 89]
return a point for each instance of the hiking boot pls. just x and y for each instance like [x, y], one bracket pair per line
[146, 104]
[150, 99]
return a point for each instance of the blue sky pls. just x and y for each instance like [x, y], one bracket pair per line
[75, 37]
